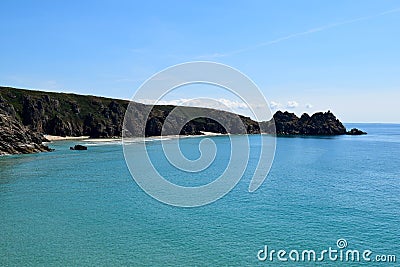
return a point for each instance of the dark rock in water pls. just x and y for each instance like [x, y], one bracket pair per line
[355, 131]
[78, 147]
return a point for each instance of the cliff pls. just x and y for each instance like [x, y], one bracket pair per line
[98, 117]
[15, 138]
[35, 113]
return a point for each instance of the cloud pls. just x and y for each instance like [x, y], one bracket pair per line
[309, 106]
[233, 104]
[292, 104]
[275, 105]
[251, 110]
[220, 103]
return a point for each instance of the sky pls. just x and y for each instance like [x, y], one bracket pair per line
[305, 56]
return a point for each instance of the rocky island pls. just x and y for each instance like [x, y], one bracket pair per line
[26, 116]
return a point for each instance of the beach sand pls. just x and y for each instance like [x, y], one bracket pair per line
[61, 138]
[87, 138]
[211, 133]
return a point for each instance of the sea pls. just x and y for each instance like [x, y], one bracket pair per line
[336, 196]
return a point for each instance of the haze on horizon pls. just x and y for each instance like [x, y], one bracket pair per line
[305, 56]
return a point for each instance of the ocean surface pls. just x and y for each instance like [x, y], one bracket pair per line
[82, 208]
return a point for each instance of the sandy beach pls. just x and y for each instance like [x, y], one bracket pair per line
[211, 133]
[61, 138]
[87, 138]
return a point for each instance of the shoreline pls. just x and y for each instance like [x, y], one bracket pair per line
[62, 138]
[52, 138]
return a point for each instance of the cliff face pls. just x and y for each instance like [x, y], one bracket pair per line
[26, 115]
[15, 138]
[66, 114]
[77, 115]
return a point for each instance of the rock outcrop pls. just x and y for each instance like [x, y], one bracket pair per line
[318, 124]
[78, 147]
[15, 138]
[355, 131]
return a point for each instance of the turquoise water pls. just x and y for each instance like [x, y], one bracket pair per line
[82, 208]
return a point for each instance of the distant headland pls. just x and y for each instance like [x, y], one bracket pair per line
[26, 116]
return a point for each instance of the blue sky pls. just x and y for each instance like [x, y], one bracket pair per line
[305, 56]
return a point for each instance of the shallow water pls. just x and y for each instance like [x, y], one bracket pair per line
[83, 208]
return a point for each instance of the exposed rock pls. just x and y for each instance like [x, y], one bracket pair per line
[320, 123]
[78, 147]
[355, 131]
[6, 108]
[17, 139]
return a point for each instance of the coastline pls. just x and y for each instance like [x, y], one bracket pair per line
[94, 114]
[62, 138]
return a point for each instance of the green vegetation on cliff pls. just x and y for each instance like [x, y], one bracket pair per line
[36, 113]
[76, 115]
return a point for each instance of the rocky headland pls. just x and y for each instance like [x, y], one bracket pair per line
[320, 123]
[26, 116]
[15, 138]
